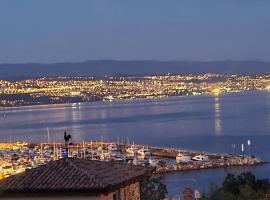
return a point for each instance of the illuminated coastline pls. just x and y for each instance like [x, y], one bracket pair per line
[49, 90]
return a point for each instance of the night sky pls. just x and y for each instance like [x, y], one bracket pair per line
[77, 30]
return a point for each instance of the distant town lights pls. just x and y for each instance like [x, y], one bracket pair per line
[216, 92]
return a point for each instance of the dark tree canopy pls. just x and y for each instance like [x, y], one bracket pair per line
[240, 187]
[152, 188]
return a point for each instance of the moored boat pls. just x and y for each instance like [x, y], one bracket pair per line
[144, 152]
[200, 158]
[182, 158]
[112, 147]
[131, 151]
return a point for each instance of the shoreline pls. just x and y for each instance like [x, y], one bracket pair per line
[4, 108]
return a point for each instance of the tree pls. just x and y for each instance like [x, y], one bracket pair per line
[247, 193]
[230, 184]
[221, 195]
[242, 187]
[247, 179]
[152, 188]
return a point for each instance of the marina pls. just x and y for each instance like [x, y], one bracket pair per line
[20, 156]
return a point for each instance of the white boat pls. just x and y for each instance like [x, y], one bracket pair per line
[112, 147]
[182, 158]
[99, 151]
[117, 156]
[140, 162]
[144, 152]
[200, 158]
[141, 157]
[105, 156]
[20, 169]
[131, 151]
[7, 169]
[22, 144]
[153, 162]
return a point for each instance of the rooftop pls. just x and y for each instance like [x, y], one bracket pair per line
[73, 175]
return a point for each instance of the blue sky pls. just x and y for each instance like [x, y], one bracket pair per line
[77, 30]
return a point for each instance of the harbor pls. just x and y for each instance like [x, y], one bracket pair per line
[21, 156]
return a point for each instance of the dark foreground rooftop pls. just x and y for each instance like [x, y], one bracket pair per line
[73, 175]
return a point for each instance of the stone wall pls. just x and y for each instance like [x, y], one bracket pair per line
[131, 192]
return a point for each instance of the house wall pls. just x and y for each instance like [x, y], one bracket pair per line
[130, 192]
[51, 198]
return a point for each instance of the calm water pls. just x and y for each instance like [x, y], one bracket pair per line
[201, 123]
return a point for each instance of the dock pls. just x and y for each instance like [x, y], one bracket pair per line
[216, 160]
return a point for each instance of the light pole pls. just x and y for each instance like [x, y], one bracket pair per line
[242, 148]
[249, 146]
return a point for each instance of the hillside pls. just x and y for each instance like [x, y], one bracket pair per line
[144, 67]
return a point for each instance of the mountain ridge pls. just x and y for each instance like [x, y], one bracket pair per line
[130, 67]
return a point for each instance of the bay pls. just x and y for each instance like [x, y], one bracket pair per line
[200, 123]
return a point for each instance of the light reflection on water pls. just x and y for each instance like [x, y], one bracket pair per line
[218, 125]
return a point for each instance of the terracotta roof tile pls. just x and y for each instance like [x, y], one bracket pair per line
[72, 174]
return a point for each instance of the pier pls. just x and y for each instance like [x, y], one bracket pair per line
[216, 160]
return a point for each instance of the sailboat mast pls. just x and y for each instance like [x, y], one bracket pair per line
[48, 135]
[83, 150]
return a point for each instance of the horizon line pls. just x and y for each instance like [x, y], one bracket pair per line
[130, 60]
